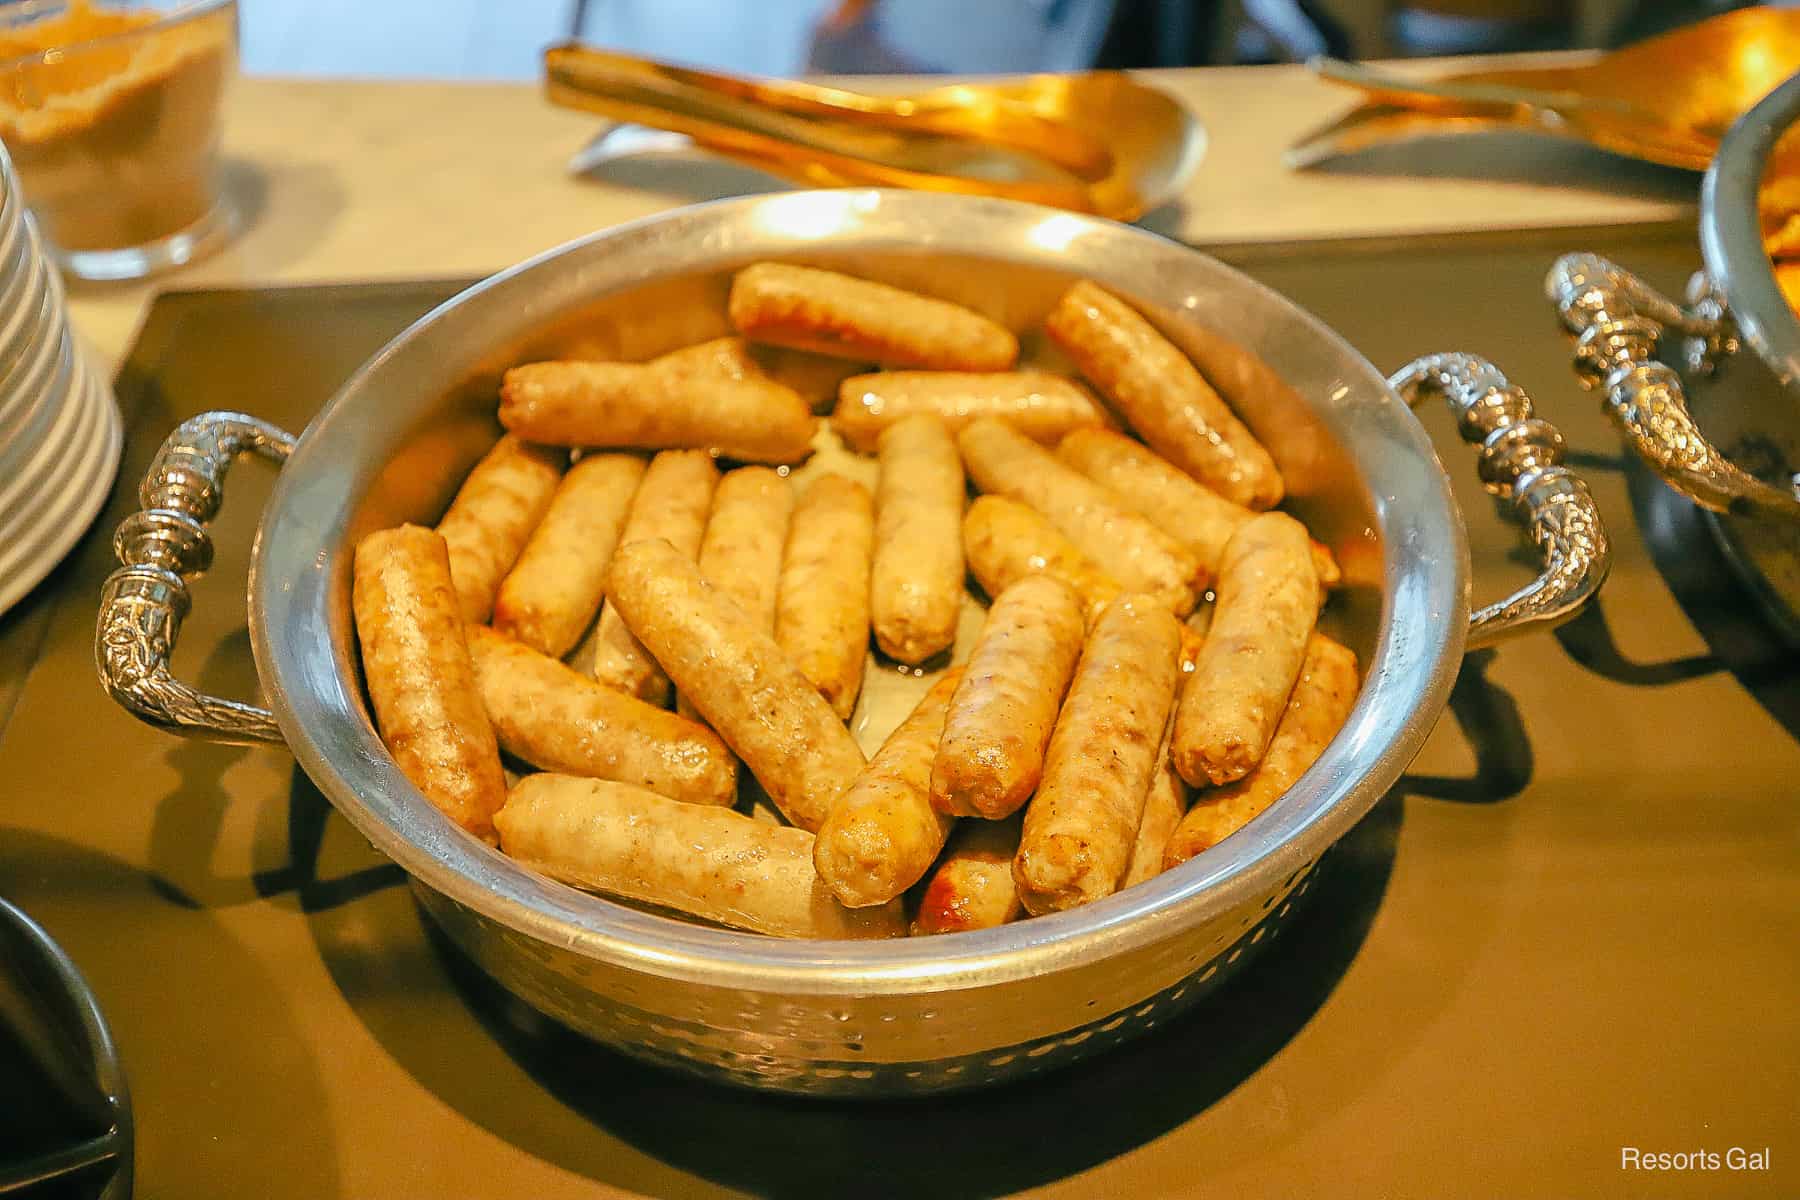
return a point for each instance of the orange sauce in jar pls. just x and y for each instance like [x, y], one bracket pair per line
[112, 119]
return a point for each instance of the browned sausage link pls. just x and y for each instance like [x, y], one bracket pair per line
[743, 684]
[741, 551]
[972, 886]
[822, 612]
[708, 862]
[1003, 710]
[555, 718]
[1163, 805]
[422, 686]
[882, 834]
[1140, 556]
[816, 377]
[494, 512]
[672, 504]
[719, 358]
[1316, 710]
[634, 404]
[916, 583]
[1038, 404]
[813, 377]
[1161, 394]
[1081, 825]
[550, 597]
[1268, 599]
[1150, 485]
[1004, 541]
[828, 313]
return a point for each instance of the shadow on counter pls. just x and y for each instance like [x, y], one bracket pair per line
[979, 1143]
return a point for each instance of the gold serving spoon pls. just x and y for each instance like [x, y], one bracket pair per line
[1099, 142]
[1668, 99]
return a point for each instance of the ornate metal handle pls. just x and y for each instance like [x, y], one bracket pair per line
[1521, 458]
[161, 547]
[1618, 320]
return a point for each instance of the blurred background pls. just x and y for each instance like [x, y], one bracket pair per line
[501, 39]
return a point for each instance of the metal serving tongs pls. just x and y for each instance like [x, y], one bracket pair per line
[1666, 100]
[1098, 142]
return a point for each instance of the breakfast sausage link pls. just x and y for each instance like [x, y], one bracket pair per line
[421, 683]
[972, 885]
[1040, 405]
[828, 313]
[822, 611]
[1140, 556]
[992, 752]
[882, 834]
[554, 717]
[1083, 822]
[1164, 804]
[708, 862]
[739, 679]
[740, 553]
[494, 512]
[550, 597]
[672, 504]
[634, 404]
[1268, 599]
[1188, 511]
[1316, 710]
[1004, 542]
[916, 582]
[1162, 396]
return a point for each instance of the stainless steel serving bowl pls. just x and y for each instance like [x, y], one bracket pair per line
[1720, 428]
[850, 1017]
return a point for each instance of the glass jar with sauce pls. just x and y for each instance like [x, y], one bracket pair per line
[111, 113]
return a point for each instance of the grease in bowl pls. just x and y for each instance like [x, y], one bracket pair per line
[1082, 691]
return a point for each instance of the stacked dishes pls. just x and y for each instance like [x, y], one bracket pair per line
[59, 425]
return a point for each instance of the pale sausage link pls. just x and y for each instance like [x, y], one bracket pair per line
[494, 512]
[707, 862]
[822, 611]
[556, 718]
[1040, 405]
[829, 313]
[747, 689]
[1140, 556]
[916, 582]
[550, 597]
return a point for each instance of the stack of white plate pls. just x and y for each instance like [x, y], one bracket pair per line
[59, 424]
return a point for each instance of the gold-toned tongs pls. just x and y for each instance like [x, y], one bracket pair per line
[1098, 142]
[1667, 100]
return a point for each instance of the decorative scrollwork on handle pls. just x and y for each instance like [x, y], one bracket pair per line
[160, 548]
[1618, 320]
[1521, 461]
